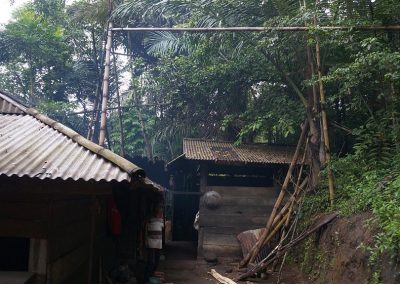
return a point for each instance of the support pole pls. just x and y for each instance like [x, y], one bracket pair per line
[120, 122]
[324, 116]
[106, 80]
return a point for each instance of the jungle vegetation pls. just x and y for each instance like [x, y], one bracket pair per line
[244, 87]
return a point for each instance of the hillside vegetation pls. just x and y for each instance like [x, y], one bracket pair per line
[245, 87]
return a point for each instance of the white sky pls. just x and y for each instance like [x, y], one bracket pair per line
[7, 9]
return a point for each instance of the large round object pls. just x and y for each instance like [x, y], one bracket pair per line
[212, 200]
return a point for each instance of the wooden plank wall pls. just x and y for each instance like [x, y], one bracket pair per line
[242, 208]
[23, 216]
[69, 241]
[58, 226]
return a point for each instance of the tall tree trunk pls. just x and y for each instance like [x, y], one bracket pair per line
[147, 143]
[121, 127]
[96, 105]
[106, 79]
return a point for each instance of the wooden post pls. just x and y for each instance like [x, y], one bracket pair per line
[92, 236]
[203, 178]
[203, 189]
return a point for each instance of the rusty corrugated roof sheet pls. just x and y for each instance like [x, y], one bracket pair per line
[34, 145]
[209, 150]
[8, 105]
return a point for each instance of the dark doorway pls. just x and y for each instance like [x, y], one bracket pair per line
[14, 254]
[185, 209]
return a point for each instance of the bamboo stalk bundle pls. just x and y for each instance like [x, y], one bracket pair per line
[262, 265]
[261, 241]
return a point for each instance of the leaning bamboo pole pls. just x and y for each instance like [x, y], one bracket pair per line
[261, 29]
[254, 251]
[298, 186]
[106, 80]
[288, 205]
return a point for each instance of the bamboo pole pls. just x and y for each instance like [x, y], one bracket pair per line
[261, 29]
[106, 79]
[292, 202]
[221, 279]
[121, 127]
[324, 119]
[96, 104]
[254, 251]
[116, 108]
[288, 205]
[265, 263]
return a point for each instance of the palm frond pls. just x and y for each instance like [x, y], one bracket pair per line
[163, 43]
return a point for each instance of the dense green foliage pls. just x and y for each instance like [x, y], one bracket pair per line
[245, 87]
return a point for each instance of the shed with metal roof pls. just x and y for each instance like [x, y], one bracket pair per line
[232, 187]
[56, 193]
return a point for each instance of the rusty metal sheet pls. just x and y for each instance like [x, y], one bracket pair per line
[9, 106]
[209, 150]
[31, 148]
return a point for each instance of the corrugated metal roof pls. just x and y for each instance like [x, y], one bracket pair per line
[209, 150]
[33, 145]
[7, 105]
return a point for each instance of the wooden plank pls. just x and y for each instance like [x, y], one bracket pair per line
[23, 210]
[38, 249]
[66, 267]
[41, 188]
[68, 238]
[15, 277]
[203, 178]
[79, 276]
[69, 211]
[248, 201]
[18, 195]
[230, 220]
[10, 227]
[200, 242]
[224, 230]
[267, 192]
[238, 210]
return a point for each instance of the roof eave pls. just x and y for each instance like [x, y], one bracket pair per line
[119, 161]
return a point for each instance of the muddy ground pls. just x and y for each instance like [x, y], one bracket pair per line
[181, 266]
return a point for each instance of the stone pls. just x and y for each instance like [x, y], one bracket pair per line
[210, 257]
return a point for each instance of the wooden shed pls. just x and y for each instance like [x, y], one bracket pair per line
[54, 190]
[243, 181]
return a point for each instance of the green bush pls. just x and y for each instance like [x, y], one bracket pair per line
[368, 180]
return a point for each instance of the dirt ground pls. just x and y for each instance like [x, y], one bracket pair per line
[181, 266]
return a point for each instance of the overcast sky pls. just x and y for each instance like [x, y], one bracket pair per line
[6, 9]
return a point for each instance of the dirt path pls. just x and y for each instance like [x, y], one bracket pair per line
[182, 267]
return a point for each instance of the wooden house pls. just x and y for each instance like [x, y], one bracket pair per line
[242, 181]
[54, 190]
